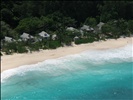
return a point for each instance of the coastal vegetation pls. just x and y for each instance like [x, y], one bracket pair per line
[28, 26]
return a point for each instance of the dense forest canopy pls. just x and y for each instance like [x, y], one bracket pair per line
[14, 11]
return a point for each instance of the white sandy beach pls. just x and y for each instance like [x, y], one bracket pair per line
[16, 60]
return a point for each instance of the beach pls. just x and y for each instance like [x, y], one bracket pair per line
[16, 60]
[78, 72]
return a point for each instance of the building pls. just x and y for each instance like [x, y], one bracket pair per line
[8, 39]
[76, 37]
[26, 36]
[87, 28]
[43, 34]
[71, 29]
[100, 25]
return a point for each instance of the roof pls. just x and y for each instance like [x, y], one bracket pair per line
[76, 37]
[71, 29]
[92, 29]
[44, 34]
[8, 39]
[26, 36]
[85, 27]
[100, 25]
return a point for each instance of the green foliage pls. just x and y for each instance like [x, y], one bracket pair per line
[68, 21]
[35, 46]
[122, 25]
[90, 21]
[111, 29]
[6, 14]
[130, 26]
[5, 29]
[50, 22]
[21, 49]
[29, 25]
[106, 28]
[84, 40]
[67, 40]
[115, 10]
[47, 24]
[116, 28]
[14, 11]
[72, 34]
[14, 47]
[54, 44]
[64, 36]
[61, 20]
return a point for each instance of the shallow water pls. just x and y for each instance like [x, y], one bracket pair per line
[91, 75]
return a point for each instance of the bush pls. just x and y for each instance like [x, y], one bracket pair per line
[90, 21]
[22, 49]
[117, 28]
[106, 28]
[47, 23]
[111, 29]
[14, 47]
[59, 18]
[122, 25]
[67, 40]
[29, 25]
[84, 40]
[130, 26]
[35, 47]
[7, 31]
[54, 44]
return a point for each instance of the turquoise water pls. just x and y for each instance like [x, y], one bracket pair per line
[91, 75]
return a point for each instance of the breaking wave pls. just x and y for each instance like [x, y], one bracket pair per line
[74, 62]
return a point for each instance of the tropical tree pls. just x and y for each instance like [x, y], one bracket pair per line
[29, 25]
[130, 26]
[90, 21]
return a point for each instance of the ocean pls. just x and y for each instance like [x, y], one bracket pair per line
[90, 75]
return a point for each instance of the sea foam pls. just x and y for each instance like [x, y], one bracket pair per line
[71, 62]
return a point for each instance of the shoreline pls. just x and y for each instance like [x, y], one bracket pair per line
[16, 60]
